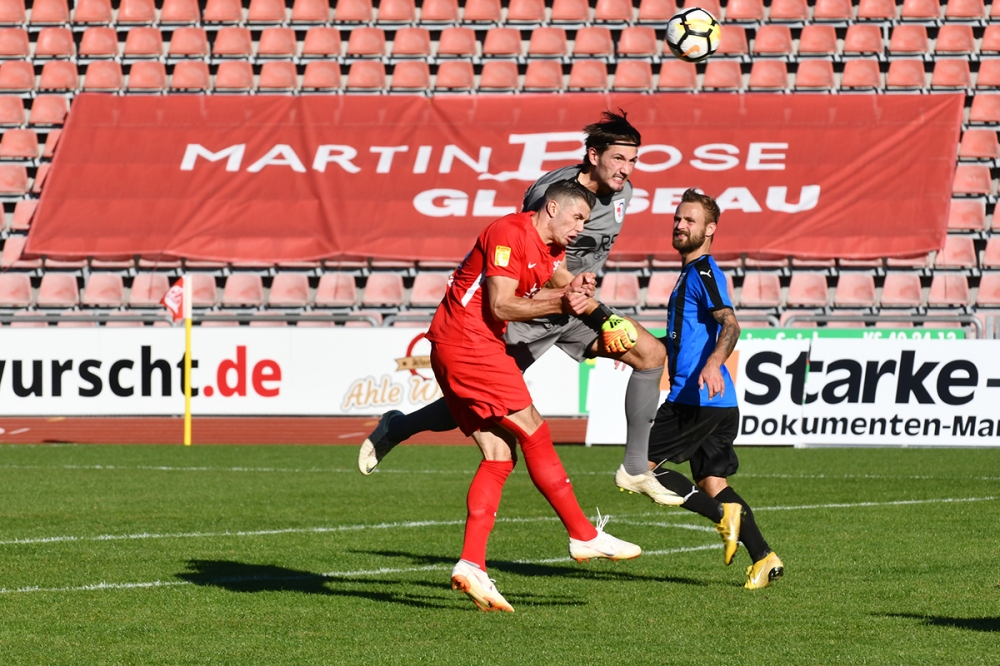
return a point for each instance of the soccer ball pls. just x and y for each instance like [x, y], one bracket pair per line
[693, 34]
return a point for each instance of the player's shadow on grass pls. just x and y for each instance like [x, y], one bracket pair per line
[971, 623]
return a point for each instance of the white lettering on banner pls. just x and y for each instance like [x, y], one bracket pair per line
[667, 199]
[281, 155]
[423, 159]
[454, 203]
[639, 201]
[738, 198]
[673, 158]
[758, 160]
[325, 155]
[716, 157]
[451, 153]
[233, 156]
[777, 199]
[483, 205]
[536, 153]
[386, 153]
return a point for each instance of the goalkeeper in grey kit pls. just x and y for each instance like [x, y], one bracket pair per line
[612, 146]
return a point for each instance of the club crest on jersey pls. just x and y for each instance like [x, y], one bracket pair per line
[501, 256]
[619, 210]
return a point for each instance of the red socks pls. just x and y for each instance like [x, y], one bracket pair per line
[549, 477]
[483, 501]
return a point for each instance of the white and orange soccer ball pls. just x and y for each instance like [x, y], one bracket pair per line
[693, 34]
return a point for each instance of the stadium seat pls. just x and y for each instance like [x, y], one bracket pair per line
[773, 40]
[952, 73]
[661, 285]
[620, 289]
[633, 75]
[979, 144]
[543, 75]
[310, 11]
[861, 75]
[49, 12]
[679, 76]
[203, 291]
[223, 11]
[92, 12]
[397, 11]
[39, 181]
[428, 289]
[99, 42]
[17, 76]
[104, 290]
[502, 42]
[901, 290]
[412, 42]
[439, 11]
[11, 111]
[732, 41]
[958, 252]
[144, 43]
[321, 75]
[760, 290]
[384, 289]
[136, 12]
[55, 43]
[411, 75]
[322, 42]
[19, 144]
[855, 290]
[972, 179]
[720, 75]
[833, 10]
[863, 39]
[815, 75]
[498, 75]
[14, 247]
[147, 76]
[967, 215]
[906, 75]
[877, 10]
[713, 7]
[920, 9]
[234, 76]
[455, 75]
[179, 12]
[789, 10]
[917, 261]
[909, 39]
[102, 76]
[336, 290]
[366, 75]
[818, 40]
[59, 75]
[985, 109]
[989, 74]
[991, 40]
[482, 11]
[353, 11]
[278, 76]
[948, 290]
[955, 39]
[12, 12]
[289, 290]
[656, 11]
[243, 290]
[457, 42]
[965, 9]
[277, 43]
[58, 290]
[15, 290]
[548, 42]
[233, 43]
[991, 255]
[188, 43]
[808, 290]
[743, 10]
[147, 290]
[613, 11]
[191, 75]
[13, 179]
[366, 42]
[526, 11]
[768, 75]
[14, 43]
[588, 75]
[638, 41]
[570, 11]
[266, 11]
[989, 290]
[594, 41]
[23, 211]
[51, 142]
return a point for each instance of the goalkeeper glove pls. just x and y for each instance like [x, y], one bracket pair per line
[618, 335]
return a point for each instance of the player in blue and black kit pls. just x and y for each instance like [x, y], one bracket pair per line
[699, 420]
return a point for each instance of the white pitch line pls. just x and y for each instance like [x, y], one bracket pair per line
[330, 574]
[946, 500]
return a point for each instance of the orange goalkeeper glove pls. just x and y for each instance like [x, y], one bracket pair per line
[618, 335]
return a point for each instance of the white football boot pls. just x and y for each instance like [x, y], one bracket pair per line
[603, 545]
[646, 484]
[472, 580]
[377, 446]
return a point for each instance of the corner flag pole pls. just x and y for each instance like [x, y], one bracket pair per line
[187, 360]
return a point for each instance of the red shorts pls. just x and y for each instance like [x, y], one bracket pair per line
[479, 387]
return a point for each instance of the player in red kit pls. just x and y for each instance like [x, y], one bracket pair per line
[503, 280]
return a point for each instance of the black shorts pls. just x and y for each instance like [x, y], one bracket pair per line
[703, 435]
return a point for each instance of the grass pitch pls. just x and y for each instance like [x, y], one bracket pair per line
[271, 555]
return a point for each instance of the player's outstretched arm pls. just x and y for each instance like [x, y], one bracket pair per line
[506, 305]
[711, 374]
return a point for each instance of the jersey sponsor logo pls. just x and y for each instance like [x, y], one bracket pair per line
[619, 210]
[501, 256]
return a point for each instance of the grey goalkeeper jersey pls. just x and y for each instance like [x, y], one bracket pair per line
[589, 251]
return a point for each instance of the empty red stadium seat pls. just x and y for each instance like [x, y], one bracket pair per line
[455, 75]
[17, 75]
[989, 290]
[92, 11]
[323, 42]
[620, 289]
[144, 42]
[773, 40]
[223, 11]
[721, 75]
[14, 43]
[526, 11]
[412, 42]
[103, 76]
[233, 42]
[818, 40]
[656, 11]
[23, 211]
[278, 76]
[814, 75]
[901, 290]
[906, 74]
[12, 12]
[321, 75]
[677, 75]
[760, 290]
[613, 11]
[570, 11]
[366, 75]
[266, 11]
[808, 290]
[789, 10]
[955, 38]
[985, 108]
[13, 179]
[633, 75]
[11, 111]
[593, 42]
[203, 291]
[411, 75]
[49, 12]
[397, 11]
[428, 289]
[861, 74]
[661, 285]
[104, 290]
[972, 179]
[958, 9]
[548, 42]
[191, 75]
[967, 215]
[136, 12]
[732, 41]
[989, 74]
[744, 10]
[243, 290]
[189, 42]
[353, 11]
[147, 290]
[289, 290]
[832, 10]
[768, 75]
[713, 7]
[55, 43]
[991, 256]
[310, 11]
[979, 144]
[40, 175]
[543, 75]
[958, 252]
[336, 290]
[51, 141]
[99, 42]
[948, 290]
[19, 144]
[180, 12]
[588, 75]
[855, 290]
[234, 76]
[384, 289]
[991, 39]
[909, 39]
[921, 9]
[15, 290]
[59, 75]
[638, 41]
[951, 74]
[277, 43]
[58, 290]
[366, 42]
[502, 42]
[439, 11]
[460, 42]
[482, 11]
[877, 9]
[14, 245]
[862, 38]
[498, 75]
[147, 76]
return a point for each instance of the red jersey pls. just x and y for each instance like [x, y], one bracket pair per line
[509, 247]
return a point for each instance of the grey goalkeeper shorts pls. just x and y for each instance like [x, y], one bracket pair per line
[527, 341]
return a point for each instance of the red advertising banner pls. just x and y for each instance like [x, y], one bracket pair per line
[280, 178]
